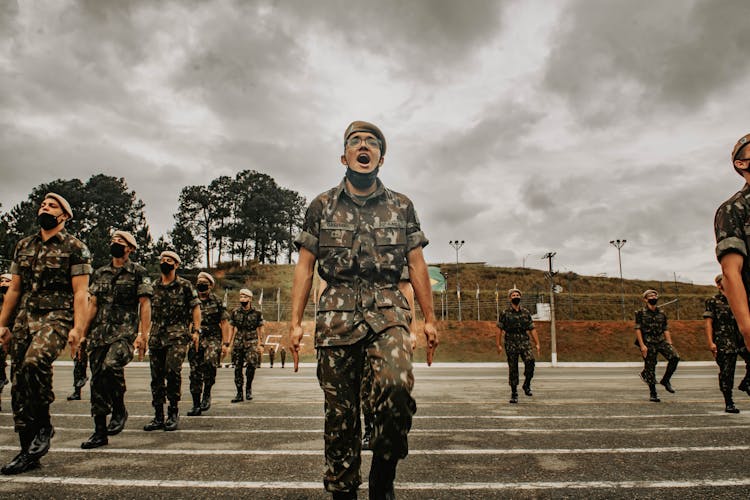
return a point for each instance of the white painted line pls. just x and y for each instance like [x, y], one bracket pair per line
[469, 452]
[301, 485]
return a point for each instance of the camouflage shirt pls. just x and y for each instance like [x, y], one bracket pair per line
[726, 336]
[516, 324]
[46, 269]
[117, 291]
[212, 314]
[652, 324]
[732, 228]
[172, 312]
[247, 323]
[361, 245]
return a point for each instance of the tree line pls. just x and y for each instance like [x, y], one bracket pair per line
[248, 217]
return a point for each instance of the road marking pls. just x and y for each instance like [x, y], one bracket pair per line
[470, 451]
[303, 485]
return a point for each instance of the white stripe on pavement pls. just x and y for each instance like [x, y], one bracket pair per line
[471, 451]
[279, 485]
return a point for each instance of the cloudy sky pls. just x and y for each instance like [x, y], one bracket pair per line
[518, 126]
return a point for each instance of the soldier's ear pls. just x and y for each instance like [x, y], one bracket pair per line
[343, 160]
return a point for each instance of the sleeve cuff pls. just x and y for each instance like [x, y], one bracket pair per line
[416, 239]
[81, 269]
[307, 241]
[14, 268]
[731, 244]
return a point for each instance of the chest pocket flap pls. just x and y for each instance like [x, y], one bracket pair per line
[336, 234]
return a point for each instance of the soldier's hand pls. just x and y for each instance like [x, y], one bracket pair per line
[644, 350]
[5, 337]
[499, 349]
[431, 336]
[196, 338]
[713, 349]
[295, 335]
[224, 350]
[74, 341]
[413, 339]
[538, 349]
[140, 345]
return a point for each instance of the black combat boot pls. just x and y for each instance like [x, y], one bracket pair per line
[671, 368]
[206, 402]
[653, 397]
[382, 475]
[196, 409]
[729, 403]
[23, 461]
[158, 421]
[119, 416]
[99, 437]
[238, 398]
[75, 395]
[513, 395]
[249, 387]
[40, 444]
[527, 388]
[667, 385]
[173, 417]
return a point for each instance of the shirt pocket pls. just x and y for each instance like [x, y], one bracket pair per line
[335, 244]
[390, 240]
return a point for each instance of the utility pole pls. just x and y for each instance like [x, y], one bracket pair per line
[618, 244]
[677, 293]
[457, 245]
[553, 337]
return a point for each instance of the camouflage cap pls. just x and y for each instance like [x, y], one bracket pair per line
[172, 255]
[6, 276]
[719, 278]
[246, 293]
[361, 126]
[744, 140]
[62, 201]
[650, 292]
[129, 238]
[514, 290]
[206, 276]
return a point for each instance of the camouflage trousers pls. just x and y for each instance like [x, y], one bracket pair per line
[108, 375]
[727, 362]
[512, 353]
[79, 368]
[244, 357]
[38, 339]
[649, 364]
[166, 373]
[340, 372]
[203, 364]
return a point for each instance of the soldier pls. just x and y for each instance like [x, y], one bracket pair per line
[79, 372]
[214, 340]
[282, 354]
[5, 280]
[730, 225]
[119, 320]
[176, 321]
[247, 326]
[514, 325]
[725, 342]
[653, 337]
[362, 235]
[50, 288]
[271, 355]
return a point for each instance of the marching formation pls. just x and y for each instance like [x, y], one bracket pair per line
[367, 243]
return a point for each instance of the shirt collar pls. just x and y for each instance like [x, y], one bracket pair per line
[360, 200]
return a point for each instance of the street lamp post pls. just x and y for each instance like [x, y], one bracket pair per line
[552, 328]
[457, 245]
[618, 244]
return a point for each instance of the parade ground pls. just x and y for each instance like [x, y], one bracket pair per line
[587, 432]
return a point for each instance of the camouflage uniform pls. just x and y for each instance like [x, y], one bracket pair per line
[731, 227]
[172, 308]
[245, 348]
[361, 245]
[205, 361]
[45, 316]
[113, 330]
[728, 340]
[516, 325]
[653, 324]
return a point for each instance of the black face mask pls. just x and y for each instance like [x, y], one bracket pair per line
[166, 268]
[515, 301]
[360, 180]
[117, 250]
[244, 303]
[653, 301]
[47, 221]
[202, 287]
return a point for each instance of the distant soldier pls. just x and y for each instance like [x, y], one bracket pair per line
[732, 235]
[247, 324]
[50, 288]
[5, 280]
[176, 316]
[80, 362]
[119, 308]
[725, 342]
[214, 341]
[514, 325]
[653, 337]
[282, 354]
[271, 355]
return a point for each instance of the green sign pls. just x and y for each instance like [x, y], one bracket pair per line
[437, 280]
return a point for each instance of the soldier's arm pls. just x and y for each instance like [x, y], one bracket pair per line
[9, 304]
[668, 337]
[641, 344]
[420, 282]
[710, 335]
[536, 339]
[92, 310]
[734, 290]
[144, 324]
[499, 338]
[301, 285]
[80, 285]
[196, 327]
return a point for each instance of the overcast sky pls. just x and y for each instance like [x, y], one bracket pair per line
[518, 126]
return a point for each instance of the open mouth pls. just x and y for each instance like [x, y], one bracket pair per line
[363, 158]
